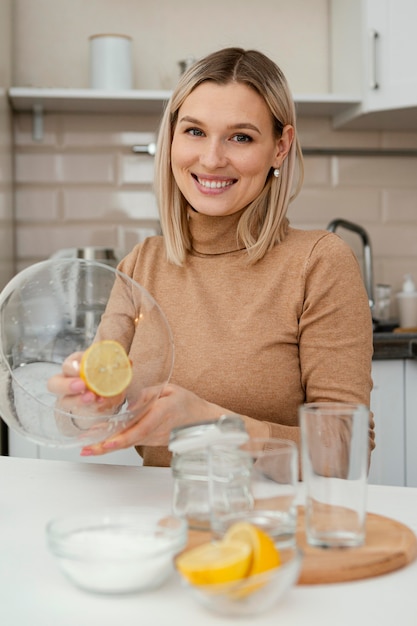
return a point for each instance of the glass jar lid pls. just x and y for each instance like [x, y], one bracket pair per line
[226, 429]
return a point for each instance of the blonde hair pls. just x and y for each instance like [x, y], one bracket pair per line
[264, 223]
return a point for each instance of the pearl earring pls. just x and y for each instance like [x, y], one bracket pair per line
[276, 172]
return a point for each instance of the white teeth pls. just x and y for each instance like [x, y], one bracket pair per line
[215, 184]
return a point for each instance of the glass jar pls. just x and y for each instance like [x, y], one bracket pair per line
[189, 446]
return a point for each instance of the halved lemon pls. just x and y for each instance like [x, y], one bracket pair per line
[217, 562]
[265, 555]
[106, 368]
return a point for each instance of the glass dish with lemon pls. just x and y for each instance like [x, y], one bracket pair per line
[244, 573]
[52, 310]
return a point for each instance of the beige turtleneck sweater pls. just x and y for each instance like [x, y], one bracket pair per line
[260, 340]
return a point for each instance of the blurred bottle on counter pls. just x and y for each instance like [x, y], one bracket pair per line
[407, 303]
[382, 308]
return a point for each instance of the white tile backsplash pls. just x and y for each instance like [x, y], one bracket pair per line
[322, 205]
[136, 168]
[87, 168]
[36, 242]
[6, 204]
[122, 131]
[400, 205]
[391, 172]
[82, 183]
[23, 127]
[112, 204]
[36, 205]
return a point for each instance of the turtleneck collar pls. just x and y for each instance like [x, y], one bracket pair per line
[214, 234]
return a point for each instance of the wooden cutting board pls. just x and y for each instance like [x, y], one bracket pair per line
[389, 546]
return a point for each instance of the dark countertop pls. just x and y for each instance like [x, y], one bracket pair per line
[391, 345]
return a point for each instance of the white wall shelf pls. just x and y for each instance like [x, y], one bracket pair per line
[140, 102]
[39, 101]
[144, 102]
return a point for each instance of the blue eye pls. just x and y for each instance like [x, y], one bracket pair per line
[194, 132]
[241, 138]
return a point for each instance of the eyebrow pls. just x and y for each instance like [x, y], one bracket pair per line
[239, 126]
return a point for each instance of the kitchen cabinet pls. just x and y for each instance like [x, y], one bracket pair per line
[388, 407]
[394, 404]
[374, 49]
[411, 423]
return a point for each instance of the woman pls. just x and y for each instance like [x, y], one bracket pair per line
[264, 317]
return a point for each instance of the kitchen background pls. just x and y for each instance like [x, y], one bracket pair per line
[81, 182]
[69, 176]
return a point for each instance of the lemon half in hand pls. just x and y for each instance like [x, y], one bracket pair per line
[106, 368]
[213, 563]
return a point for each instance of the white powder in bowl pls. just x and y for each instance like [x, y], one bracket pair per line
[117, 560]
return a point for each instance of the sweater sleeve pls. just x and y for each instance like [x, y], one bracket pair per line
[335, 332]
[335, 328]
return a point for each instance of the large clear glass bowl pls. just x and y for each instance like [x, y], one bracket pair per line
[53, 309]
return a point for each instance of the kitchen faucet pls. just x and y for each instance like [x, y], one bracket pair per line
[367, 252]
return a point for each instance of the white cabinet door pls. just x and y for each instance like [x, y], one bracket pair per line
[374, 50]
[394, 54]
[387, 405]
[411, 423]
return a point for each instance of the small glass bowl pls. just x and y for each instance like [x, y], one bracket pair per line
[253, 595]
[117, 551]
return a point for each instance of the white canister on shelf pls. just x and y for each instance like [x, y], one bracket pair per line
[111, 62]
[407, 303]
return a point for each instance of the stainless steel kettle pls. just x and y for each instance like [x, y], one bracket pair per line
[91, 298]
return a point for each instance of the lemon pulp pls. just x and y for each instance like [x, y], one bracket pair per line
[212, 563]
[106, 368]
[265, 555]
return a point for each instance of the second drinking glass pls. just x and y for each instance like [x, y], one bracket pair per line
[256, 483]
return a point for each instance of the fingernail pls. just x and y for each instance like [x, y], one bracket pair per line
[88, 397]
[76, 365]
[77, 385]
[86, 452]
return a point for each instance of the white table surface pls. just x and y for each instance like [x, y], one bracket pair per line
[33, 592]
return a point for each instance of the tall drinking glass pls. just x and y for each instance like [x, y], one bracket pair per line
[334, 441]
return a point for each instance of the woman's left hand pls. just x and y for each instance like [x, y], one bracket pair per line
[174, 407]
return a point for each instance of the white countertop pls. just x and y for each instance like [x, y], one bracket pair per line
[34, 592]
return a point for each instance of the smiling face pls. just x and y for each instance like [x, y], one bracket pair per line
[224, 147]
